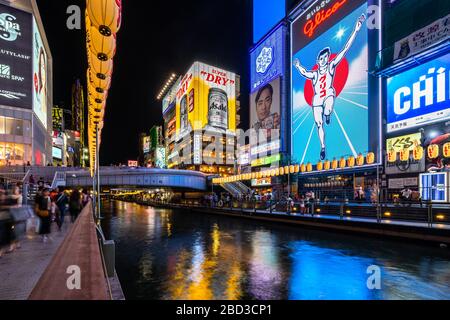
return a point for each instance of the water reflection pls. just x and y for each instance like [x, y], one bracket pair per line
[164, 254]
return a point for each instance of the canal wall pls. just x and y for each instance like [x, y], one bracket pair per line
[417, 232]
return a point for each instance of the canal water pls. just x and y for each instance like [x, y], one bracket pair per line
[169, 254]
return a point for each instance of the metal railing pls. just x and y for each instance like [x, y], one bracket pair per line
[419, 213]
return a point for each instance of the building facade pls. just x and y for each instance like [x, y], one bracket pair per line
[367, 96]
[201, 120]
[25, 86]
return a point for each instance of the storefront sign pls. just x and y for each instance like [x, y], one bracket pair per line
[264, 182]
[403, 182]
[422, 39]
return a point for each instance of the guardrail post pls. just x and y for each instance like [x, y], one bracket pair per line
[341, 211]
[430, 214]
[378, 212]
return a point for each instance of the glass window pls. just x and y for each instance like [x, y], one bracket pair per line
[18, 129]
[19, 152]
[9, 126]
[2, 125]
[9, 151]
[27, 128]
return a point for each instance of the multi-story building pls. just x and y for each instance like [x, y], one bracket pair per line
[201, 120]
[25, 86]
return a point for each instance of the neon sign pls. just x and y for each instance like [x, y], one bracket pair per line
[320, 17]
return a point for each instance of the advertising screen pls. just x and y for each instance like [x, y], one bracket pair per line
[206, 99]
[268, 59]
[15, 58]
[419, 96]
[57, 153]
[266, 14]
[40, 76]
[265, 107]
[330, 100]
[160, 157]
[146, 144]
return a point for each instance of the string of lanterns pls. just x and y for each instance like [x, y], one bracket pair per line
[418, 153]
[103, 20]
[335, 164]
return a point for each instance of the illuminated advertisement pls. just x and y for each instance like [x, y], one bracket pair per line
[330, 85]
[419, 96]
[15, 58]
[40, 76]
[264, 182]
[422, 39]
[146, 144]
[398, 144]
[132, 163]
[160, 157]
[265, 107]
[57, 153]
[434, 187]
[58, 118]
[266, 161]
[206, 99]
[267, 60]
[266, 14]
[169, 100]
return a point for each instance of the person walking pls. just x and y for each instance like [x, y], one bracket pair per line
[75, 205]
[85, 198]
[43, 204]
[61, 202]
[19, 218]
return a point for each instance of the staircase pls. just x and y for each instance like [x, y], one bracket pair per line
[236, 189]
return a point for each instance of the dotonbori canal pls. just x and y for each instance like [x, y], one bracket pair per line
[168, 254]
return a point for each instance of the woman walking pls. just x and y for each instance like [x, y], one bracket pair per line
[43, 212]
[75, 205]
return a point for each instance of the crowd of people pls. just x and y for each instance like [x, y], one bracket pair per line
[49, 207]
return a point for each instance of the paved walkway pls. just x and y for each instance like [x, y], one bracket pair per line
[79, 250]
[21, 270]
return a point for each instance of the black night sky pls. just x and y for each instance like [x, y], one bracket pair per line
[157, 38]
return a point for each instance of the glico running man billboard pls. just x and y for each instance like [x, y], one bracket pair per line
[330, 100]
[419, 96]
[206, 99]
[15, 57]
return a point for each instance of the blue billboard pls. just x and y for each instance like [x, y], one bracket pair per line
[267, 60]
[419, 96]
[266, 14]
[434, 187]
[330, 84]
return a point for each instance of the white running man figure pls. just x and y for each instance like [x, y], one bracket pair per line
[322, 79]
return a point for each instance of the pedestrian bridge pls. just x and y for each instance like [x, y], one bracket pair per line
[135, 177]
[110, 177]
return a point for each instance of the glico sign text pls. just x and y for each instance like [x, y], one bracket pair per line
[319, 15]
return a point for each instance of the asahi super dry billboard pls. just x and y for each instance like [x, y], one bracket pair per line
[206, 99]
